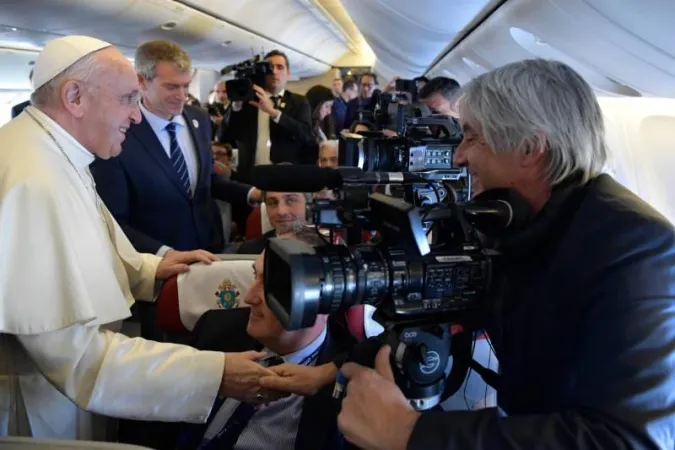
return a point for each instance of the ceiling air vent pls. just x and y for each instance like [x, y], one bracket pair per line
[170, 25]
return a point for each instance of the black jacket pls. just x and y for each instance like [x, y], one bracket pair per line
[584, 333]
[18, 109]
[225, 331]
[144, 194]
[291, 138]
[256, 246]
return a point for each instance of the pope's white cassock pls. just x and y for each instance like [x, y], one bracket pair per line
[66, 271]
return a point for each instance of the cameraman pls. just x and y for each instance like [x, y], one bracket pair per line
[584, 326]
[275, 128]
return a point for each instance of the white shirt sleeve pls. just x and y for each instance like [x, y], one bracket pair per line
[113, 375]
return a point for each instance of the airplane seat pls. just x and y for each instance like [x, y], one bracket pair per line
[168, 310]
[221, 285]
[254, 224]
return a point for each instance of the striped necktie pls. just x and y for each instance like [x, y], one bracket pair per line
[177, 158]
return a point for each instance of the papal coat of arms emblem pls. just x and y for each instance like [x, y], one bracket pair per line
[227, 296]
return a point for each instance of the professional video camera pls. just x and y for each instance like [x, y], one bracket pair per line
[247, 73]
[418, 285]
[425, 146]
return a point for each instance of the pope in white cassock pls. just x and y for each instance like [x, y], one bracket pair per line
[68, 273]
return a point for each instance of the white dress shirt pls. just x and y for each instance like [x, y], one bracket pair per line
[158, 125]
[275, 425]
[264, 140]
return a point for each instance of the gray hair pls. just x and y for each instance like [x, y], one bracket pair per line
[152, 53]
[523, 105]
[333, 143]
[82, 70]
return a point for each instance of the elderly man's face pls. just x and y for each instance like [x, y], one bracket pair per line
[286, 210]
[165, 94]
[109, 105]
[328, 156]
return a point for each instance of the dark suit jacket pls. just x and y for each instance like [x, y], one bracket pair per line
[256, 246]
[18, 109]
[356, 105]
[143, 192]
[583, 332]
[225, 331]
[291, 138]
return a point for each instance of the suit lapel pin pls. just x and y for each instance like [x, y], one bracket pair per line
[282, 105]
[195, 123]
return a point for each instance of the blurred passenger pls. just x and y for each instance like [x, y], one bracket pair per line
[337, 87]
[320, 100]
[366, 100]
[441, 95]
[350, 90]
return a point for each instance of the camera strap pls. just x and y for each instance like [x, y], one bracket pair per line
[462, 361]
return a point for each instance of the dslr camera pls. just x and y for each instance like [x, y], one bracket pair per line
[246, 74]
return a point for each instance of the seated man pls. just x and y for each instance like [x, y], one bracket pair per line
[328, 157]
[328, 153]
[286, 212]
[292, 422]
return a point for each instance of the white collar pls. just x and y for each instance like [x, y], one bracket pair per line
[280, 94]
[76, 153]
[157, 123]
[308, 350]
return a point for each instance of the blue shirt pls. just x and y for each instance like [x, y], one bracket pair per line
[339, 113]
[273, 426]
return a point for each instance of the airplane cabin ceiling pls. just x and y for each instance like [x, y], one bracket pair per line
[14, 69]
[405, 35]
[298, 24]
[620, 51]
[212, 43]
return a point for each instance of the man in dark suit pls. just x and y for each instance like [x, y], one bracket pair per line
[275, 128]
[287, 213]
[161, 187]
[366, 100]
[308, 423]
[220, 111]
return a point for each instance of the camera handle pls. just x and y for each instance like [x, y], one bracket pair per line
[419, 358]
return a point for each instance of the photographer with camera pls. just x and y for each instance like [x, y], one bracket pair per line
[583, 323]
[274, 127]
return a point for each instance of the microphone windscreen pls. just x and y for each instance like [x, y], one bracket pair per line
[290, 178]
[519, 208]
